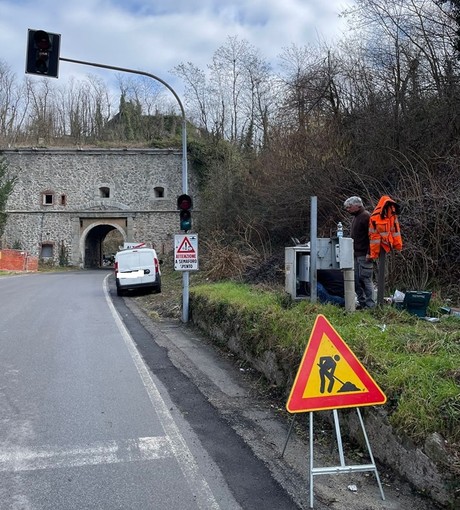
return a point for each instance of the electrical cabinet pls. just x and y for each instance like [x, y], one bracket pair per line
[335, 253]
[297, 270]
[332, 253]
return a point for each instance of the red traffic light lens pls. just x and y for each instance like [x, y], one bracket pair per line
[42, 40]
[184, 202]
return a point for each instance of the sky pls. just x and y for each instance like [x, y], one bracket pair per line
[154, 36]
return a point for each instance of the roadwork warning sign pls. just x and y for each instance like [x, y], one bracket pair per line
[186, 252]
[330, 376]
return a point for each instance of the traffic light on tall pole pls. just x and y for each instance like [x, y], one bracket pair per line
[184, 204]
[43, 53]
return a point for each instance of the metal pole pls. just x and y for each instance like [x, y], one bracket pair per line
[313, 248]
[349, 288]
[368, 444]
[311, 459]
[185, 274]
[381, 278]
[289, 435]
[184, 154]
[338, 435]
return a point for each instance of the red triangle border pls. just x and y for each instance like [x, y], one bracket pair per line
[297, 403]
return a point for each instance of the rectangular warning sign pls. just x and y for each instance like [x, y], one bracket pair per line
[186, 252]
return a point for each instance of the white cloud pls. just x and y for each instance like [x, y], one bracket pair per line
[156, 35]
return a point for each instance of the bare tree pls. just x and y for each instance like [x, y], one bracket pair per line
[234, 99]
[41, 113]
[197, 94]
[13, 104]
[146, 92]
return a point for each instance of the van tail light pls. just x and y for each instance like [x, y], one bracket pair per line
[115, 267]
[157, 266]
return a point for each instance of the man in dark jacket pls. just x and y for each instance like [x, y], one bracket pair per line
[359, 232]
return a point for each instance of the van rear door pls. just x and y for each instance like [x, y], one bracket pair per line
[136, 267]
[146, 262]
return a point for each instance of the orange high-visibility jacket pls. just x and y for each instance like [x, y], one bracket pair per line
[384, 231]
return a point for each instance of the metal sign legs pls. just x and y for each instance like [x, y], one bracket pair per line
[343, 468]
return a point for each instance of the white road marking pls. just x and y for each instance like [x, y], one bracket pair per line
[14, 459]
[204, 497]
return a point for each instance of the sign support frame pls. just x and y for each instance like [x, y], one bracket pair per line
[324, 350]
[343, 468]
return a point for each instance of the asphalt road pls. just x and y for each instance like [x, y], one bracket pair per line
[101, 408]
[86, 424]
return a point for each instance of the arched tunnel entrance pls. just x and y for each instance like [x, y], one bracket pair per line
[101, 244]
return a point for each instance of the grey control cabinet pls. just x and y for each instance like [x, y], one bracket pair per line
[296, 270]
[335, 253]
[332, 253]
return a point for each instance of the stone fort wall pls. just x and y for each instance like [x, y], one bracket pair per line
[71, 198]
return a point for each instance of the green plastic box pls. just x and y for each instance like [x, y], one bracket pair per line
[416, 302]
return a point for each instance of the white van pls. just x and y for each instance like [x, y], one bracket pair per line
[137, 268]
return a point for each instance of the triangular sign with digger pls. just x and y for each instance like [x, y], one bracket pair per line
[330, 376]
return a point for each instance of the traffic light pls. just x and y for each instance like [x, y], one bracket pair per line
[42, 53]
[184, 204]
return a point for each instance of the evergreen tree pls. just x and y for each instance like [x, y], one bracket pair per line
[6, 187]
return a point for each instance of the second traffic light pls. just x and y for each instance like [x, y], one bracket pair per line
[184, 204]
[43, 53]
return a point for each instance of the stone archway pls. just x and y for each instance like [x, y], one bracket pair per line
[91, 242]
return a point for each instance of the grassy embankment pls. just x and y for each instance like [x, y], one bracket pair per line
[416, 363]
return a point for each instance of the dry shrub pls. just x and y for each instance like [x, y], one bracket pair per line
[428, 192]
[226, 261]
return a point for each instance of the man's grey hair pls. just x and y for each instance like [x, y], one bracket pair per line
[352, 201]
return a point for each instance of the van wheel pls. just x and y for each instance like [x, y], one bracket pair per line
[155, 290]
[119, 292]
